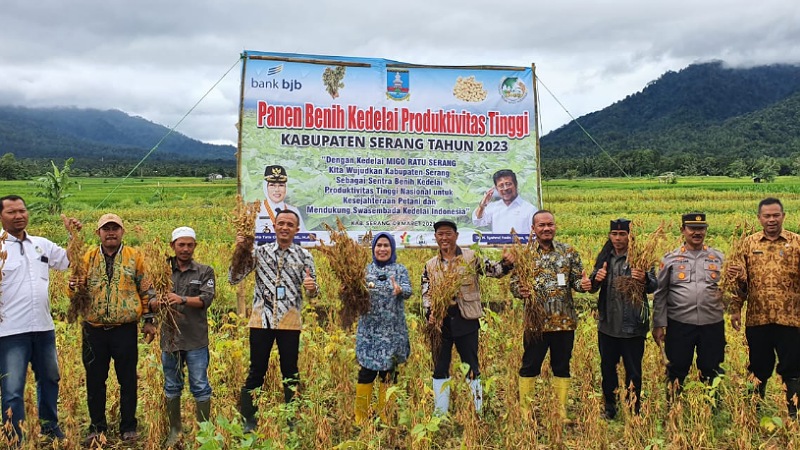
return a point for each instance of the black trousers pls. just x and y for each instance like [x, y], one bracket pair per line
[560, 345]
[680, 344]
[765, 341]
[261, 341]
[100, 346]
[467, 347]
[367, 376]
[631, 351]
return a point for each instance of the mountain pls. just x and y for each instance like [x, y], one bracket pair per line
[707, 110]
[91, 134]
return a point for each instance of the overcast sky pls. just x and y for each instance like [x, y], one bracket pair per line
[157, 58]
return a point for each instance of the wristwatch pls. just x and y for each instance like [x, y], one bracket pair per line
[183, 300]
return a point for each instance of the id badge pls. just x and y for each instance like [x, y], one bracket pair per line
[280, 292]
[562, 280]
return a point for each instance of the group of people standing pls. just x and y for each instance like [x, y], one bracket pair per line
[687, 315]
[121, 296]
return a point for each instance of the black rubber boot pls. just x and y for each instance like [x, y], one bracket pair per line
[248, 410]
[203, 410]
[175, 426]
[792, 395]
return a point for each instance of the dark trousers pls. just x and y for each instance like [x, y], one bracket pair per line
[467, 347]
[631, 351]
[765, 341]
[560, 345]
[261, 341]
[367, 376]
[680, 344]
[100, 346]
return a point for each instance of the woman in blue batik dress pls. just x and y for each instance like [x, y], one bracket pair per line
[382, 336]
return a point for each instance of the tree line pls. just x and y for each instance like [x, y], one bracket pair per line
[12, 168]
[645, 163]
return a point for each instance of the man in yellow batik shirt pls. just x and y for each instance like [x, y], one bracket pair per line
[768, 271]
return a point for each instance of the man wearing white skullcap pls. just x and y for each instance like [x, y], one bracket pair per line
[186, 341]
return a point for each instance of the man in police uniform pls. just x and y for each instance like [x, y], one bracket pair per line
[687, 306]
[275, 193]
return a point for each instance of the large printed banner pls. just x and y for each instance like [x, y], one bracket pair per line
[389, 146]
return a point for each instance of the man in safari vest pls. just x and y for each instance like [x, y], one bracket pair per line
[460, 324]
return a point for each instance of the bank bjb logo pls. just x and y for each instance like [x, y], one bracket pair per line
[512, 89]
[397, 85]
[274, 83]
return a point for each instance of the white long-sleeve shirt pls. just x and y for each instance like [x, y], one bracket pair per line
[24, 291]
[502, 217]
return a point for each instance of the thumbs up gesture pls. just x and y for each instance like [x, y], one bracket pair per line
[308, 282]
[601, 274]
[396, 289]
[586, 283]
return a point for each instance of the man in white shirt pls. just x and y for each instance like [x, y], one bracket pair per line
[27, 332]
[511, 212]
[275, 178]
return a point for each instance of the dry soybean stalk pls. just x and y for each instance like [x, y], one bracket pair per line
[445, 284]
[79, 299]
[244, 221]
[159, 272]
[349, 260]
[735, 256]
[527, 271]
[643, 254]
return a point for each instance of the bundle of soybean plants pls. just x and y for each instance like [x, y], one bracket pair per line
[79, 299]
[644, 252]
[734, 257]
[244, 222]
[158, 272]
[526, 272]
[349, 259]
[444, 286]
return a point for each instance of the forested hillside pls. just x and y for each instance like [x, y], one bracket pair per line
[103, 143]
[704, 120]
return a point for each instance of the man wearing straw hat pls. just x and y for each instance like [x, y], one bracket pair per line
[184, 338]
[688, 308]
[768, 275]
[623, 322]
[120, 297]
[27, 331]
[275, 179]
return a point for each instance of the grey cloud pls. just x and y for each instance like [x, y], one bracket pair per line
[156, 58]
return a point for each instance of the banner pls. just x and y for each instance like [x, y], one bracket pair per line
[389, 146]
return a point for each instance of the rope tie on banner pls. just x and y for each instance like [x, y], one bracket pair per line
[169, 132]
[581, 127]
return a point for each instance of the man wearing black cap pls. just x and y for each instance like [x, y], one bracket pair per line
[460, 325]
[275, 193]
[687, 306]
[622, 324]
